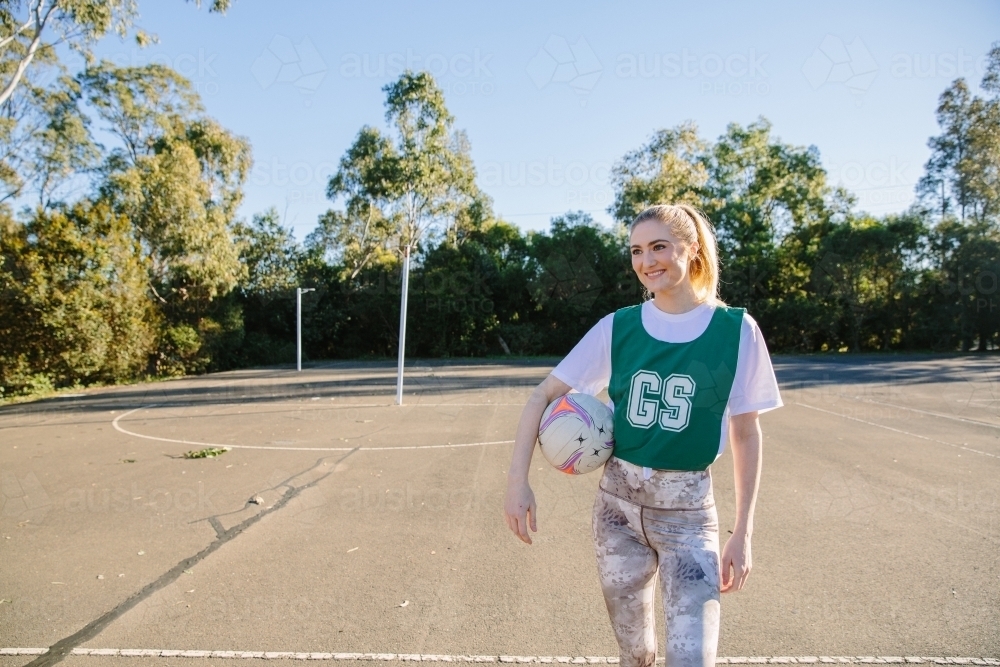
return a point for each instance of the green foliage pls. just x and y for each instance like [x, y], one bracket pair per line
[73, 299]
[399, 188]
[206, 453]
[150, 272]
[671, 167]
[176, 175]
[265, 299]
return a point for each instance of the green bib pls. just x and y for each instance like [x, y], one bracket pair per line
[670, 397]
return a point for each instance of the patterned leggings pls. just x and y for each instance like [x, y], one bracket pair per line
[663, 526]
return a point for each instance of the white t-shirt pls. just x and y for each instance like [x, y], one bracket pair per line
[587, 368]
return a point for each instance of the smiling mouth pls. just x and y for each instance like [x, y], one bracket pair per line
[655, 274]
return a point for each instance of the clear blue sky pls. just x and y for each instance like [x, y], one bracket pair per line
[551, 96]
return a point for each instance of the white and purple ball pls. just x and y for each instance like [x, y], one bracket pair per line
[577, 433]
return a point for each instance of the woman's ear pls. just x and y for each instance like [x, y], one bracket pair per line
[693, 256]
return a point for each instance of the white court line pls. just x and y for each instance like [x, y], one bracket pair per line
[120, 429]
[896, 430]
[552, 659]
[933, 414]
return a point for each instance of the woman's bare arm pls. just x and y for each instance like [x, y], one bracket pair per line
[520, 500]
[746, 441]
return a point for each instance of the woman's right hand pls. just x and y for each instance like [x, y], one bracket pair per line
[517, 506]
[519, 503]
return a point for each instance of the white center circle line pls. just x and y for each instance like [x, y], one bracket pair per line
[118, 427]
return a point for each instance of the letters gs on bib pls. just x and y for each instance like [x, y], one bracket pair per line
[653, 400]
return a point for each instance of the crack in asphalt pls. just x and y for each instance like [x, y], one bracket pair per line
[65, 646]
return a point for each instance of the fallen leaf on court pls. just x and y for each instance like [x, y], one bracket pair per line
[405, 602]
[364, 421]
[121, 575]
[191, 591]
[188, 572]
[7, 601]
[128, 460]
[256, 500]
[208, 452]
[142, 553]
[354, 549]
[100, 576]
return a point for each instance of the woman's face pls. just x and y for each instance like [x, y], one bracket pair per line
[660, 258]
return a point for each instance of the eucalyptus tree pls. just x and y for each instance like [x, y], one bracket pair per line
[175, 173]
[31, 30]
[962, 177]
[671, 167]
[405, 186]
[44, 139]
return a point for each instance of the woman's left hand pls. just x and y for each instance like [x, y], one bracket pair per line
[736, 562]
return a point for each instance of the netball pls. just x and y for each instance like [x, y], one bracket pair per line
[576, 433]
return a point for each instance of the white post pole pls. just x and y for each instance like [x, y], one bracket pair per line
[402, 327]
[299, 291]
[298, 328]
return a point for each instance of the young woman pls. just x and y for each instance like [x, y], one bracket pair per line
[686, 375]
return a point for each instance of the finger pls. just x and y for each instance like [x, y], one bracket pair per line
[512, 523]
[743, 578]
[727, 579]
[533, 509]
[739, 575]
[522, 528]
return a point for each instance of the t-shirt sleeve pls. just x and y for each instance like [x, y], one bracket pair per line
[754, 388]
[587, 368]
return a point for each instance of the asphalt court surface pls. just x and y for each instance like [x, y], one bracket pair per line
[380, 530]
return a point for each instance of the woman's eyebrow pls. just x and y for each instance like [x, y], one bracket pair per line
[636, 245]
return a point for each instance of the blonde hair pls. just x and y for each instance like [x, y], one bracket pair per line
[690, 225]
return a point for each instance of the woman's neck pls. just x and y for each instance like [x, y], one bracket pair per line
[677, 301]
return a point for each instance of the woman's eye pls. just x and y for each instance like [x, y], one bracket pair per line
[636, 251]
[659, 246]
